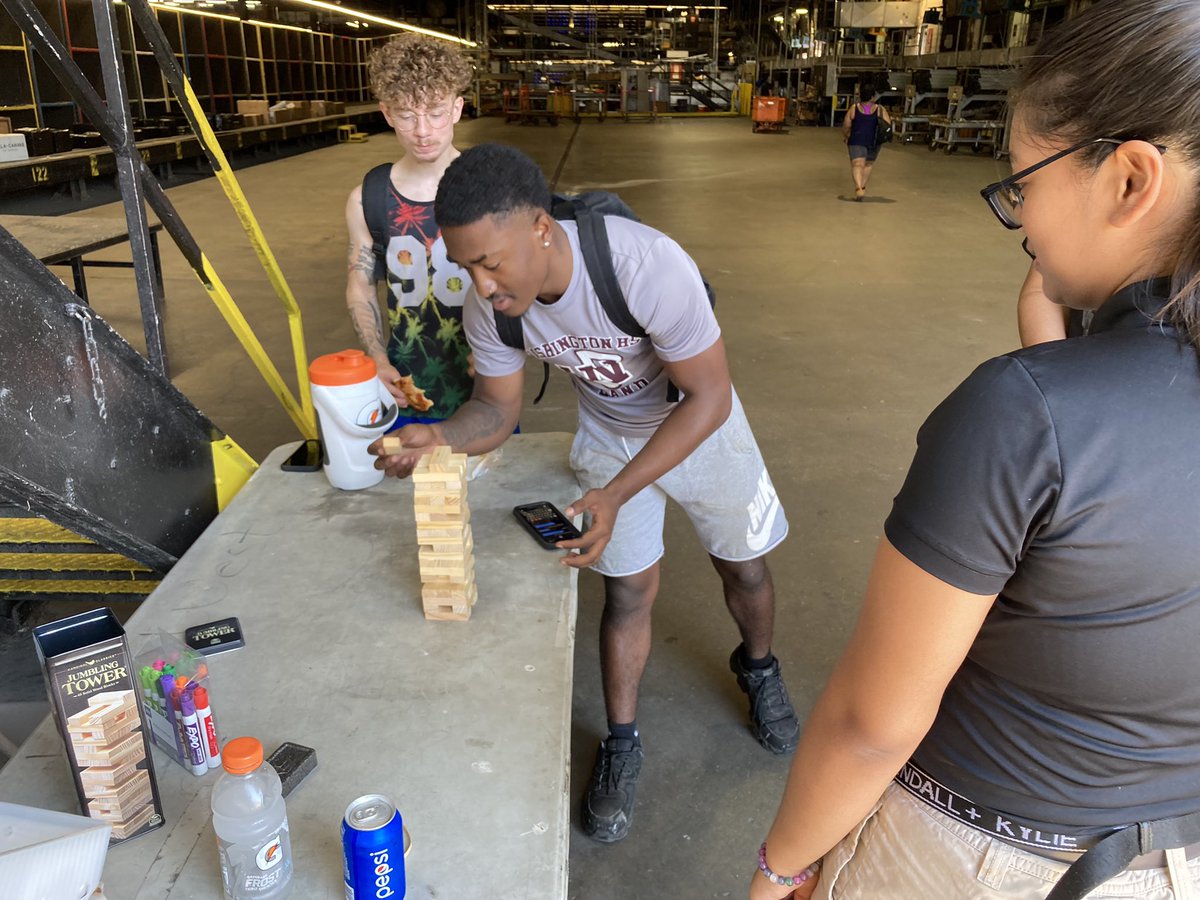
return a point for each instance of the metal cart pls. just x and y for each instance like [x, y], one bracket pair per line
[768, 113]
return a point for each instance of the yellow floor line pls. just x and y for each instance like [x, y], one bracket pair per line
[69, 562]
[36, 531]
[76, 587]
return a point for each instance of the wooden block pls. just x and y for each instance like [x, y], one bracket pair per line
[445, 566]
[449, 593]
[98, 740]
[114, 755]
[454, 610]
[124, 799]
[447, 548]
[443, 516]
[105, 712]
[430, 533]
[134, 824]
[439, 501]
[99, 778]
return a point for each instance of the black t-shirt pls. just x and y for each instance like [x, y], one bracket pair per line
[1066, 478]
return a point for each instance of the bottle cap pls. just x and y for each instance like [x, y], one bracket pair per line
[242, 755]
[344, 367]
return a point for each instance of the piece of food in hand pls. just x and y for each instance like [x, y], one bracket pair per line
[414, 395]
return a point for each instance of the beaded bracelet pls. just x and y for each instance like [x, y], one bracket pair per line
[785, 880]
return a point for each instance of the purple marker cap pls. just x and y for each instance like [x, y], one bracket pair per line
[187, 703]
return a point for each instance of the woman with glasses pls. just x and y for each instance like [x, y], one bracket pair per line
[420, 351]
[1017, 713]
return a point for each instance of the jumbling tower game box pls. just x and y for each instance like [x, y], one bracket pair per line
[94, 693]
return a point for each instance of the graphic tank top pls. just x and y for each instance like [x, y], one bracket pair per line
[425, 305]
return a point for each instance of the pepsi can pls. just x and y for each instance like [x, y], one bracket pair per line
[373, 845]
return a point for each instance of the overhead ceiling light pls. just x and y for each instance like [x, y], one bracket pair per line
[357, 14]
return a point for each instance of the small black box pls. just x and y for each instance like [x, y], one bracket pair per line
[62, 140]
[38, 141]
[215, 637]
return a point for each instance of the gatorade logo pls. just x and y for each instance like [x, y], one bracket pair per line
[270, 855]
[383, 875]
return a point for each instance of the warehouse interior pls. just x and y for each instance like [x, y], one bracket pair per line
[845, 323]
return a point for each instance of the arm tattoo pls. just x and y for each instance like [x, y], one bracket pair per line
[474, 421]
[363, 261]
[368, 325]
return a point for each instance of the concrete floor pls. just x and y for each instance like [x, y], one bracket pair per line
[845, 324]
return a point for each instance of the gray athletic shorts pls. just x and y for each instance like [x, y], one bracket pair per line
[723, 486]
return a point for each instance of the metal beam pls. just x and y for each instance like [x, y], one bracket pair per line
[561, 38]
[129, 165]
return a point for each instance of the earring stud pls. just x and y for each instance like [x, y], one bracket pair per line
[545, 243]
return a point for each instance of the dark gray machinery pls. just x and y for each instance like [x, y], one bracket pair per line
[94, 438]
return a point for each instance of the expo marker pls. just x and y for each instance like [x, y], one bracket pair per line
[167, 682]
[191, 728]
[208, 729]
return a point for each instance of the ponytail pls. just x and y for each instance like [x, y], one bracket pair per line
[1183, 311]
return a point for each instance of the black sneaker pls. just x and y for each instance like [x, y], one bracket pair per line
[772, 718]
[608, 803]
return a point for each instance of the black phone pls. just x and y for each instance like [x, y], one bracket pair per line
[307, 457]
[547, 525]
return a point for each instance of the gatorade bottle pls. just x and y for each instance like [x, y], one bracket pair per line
[251, 825]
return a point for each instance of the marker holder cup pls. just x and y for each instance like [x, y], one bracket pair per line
[167, 729]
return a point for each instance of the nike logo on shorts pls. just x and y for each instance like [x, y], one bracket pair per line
[763, 510]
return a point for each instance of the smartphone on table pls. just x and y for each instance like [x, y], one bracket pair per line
[546, 523]
[306, 458]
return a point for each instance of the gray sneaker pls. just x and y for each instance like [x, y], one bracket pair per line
[772, 718]
[608, 803]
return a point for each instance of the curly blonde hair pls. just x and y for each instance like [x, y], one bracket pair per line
[417, 69]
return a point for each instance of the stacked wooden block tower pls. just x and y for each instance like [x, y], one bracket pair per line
[446, 552]
[107, 740]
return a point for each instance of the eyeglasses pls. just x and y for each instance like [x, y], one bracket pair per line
[1005, 197]
[407, 121]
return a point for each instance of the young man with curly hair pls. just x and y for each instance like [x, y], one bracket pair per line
[420, 352]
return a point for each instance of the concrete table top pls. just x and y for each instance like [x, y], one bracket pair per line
[465, 725]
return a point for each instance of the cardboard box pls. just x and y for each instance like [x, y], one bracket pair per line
[316, 109]
[254, 121]
[12, 147]
[5, 125]
[96, 699]
[253, 107]
[334, 108]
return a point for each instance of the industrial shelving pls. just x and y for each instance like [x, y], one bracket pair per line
[225, 59]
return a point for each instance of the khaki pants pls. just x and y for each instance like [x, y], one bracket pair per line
[907, 850]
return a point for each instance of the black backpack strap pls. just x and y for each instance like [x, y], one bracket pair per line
[375, 187]
[513, 335]
[1110, 857]
[597, 256]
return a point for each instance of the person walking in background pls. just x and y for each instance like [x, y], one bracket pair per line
[1025, 656]
[420, 353]
[859, 131]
